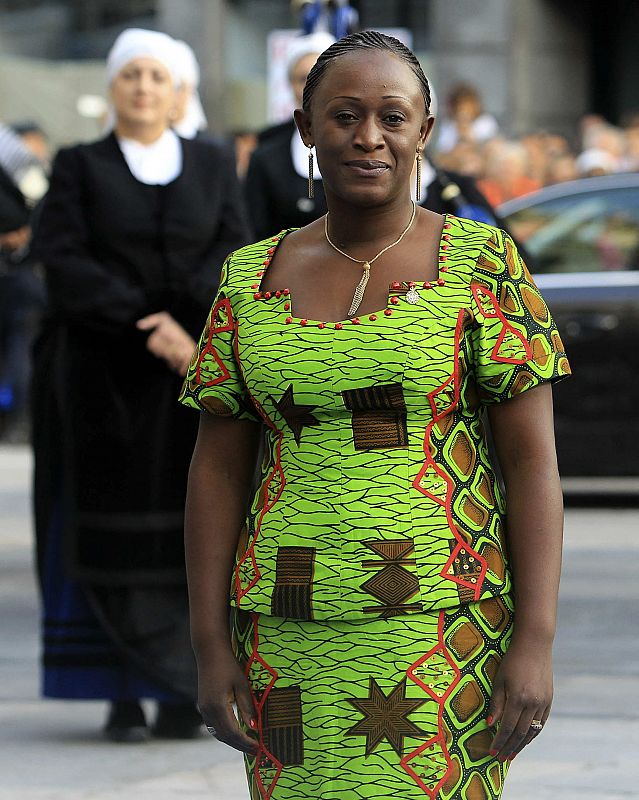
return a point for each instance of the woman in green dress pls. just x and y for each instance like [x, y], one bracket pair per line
[374, 651]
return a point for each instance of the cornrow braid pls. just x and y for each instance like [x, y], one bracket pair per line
[364, 40]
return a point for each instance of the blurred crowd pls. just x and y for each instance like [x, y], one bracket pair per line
[471, 143]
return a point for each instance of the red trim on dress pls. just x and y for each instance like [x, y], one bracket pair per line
[209, 349]
[495, 312]
[263, 756]
[440, 698]
[276, 472]
[445, 497]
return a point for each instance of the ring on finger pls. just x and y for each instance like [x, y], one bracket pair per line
[211, 730]
[536, 725]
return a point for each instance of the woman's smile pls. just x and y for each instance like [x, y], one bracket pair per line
[367, 168]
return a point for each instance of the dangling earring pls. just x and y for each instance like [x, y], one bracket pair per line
[418, 186]
[311, 179]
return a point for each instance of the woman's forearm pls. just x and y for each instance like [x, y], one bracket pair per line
[534, 534]
[524, 439]
[218, 487]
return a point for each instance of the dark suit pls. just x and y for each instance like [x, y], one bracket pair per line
[276, 196]
[110, 438]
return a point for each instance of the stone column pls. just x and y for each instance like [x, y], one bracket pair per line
[528, 58]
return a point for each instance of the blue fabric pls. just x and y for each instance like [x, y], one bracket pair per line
[80, 662]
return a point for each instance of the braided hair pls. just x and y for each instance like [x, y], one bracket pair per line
[364, 40]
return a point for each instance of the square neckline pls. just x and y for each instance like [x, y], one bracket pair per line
[371, 315]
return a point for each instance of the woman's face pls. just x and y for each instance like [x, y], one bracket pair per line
[143, 93]
[367, 120]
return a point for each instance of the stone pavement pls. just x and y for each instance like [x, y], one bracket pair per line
[50, 750]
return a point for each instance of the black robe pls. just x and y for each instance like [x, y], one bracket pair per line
[111, 442]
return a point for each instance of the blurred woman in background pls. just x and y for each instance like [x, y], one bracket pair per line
[132, 237]
[277, 180]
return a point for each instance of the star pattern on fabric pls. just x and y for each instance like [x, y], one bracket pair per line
[386, 717]
[297, 417]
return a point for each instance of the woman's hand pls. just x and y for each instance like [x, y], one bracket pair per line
[522, 692]
[15, 240]
[222, 683]
[168, 340]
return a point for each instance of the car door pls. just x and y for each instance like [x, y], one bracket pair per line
[585, 249]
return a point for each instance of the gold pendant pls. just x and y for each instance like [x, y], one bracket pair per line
[359, 291]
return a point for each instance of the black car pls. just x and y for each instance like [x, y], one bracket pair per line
[582, 240]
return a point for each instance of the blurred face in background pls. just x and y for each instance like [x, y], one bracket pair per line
[298, 73]
[143, 94]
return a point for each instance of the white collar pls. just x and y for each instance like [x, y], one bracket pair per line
[299, 156]
[157, 163]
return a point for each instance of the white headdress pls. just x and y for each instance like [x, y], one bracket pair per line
[194, 119]
[302, 46]
[139, 43]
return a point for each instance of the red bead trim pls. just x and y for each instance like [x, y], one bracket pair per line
[274, 238]
[267, 295]
[321, 324]
[257, 296]
[394, 300]
[445, 246]
[287, 306]
[260, 273]
[396, 285]
[443, 258]
[388, 312]
[447, 226]
[411, 284]
[446, 237]
[286, 292]
[255, 286]
[289, 320]
[441, 282]
[427, 285]
[278, 294]
[373, 317]
[356, 320]
[303, 321]
[271, 250]
[443, 269]
[338, 326]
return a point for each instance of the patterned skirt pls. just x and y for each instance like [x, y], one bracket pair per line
[375, 709]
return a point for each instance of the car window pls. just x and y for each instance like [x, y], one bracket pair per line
[586, 232]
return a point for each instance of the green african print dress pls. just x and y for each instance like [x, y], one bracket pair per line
[372, 589]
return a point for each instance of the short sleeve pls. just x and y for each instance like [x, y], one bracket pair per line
[214, 381]
[516, 345]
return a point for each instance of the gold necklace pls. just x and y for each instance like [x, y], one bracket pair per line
[361, 286]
